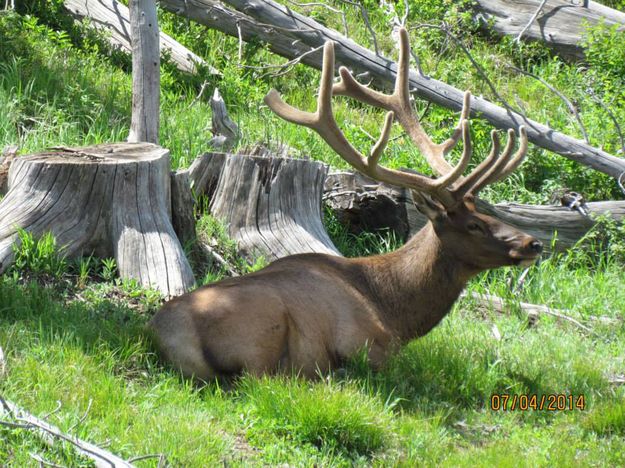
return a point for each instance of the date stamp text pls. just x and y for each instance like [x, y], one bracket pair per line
[533, 402]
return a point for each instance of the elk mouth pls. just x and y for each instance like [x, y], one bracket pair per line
[524, 259]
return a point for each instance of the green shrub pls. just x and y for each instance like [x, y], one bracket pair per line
[605, 51]
[38, 255]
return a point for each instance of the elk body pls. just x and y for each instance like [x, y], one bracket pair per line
[310, 312]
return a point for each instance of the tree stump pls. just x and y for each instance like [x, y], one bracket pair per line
[112, 200]
[272, 206]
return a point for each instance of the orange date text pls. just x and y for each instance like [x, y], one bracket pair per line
[533, 402]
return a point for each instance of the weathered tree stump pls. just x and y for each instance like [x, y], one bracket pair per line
[205, 171]
[182, 206]
[272, 206]
[112, 200]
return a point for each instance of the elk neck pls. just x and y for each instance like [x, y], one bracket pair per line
[416, 285]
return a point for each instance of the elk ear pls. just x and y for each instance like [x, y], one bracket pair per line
[469, 201]
[428, 206]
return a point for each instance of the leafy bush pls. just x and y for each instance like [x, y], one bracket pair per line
[605, 51]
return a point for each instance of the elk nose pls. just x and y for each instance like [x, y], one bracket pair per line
[536, 246]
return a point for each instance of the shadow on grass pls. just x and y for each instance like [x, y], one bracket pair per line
[50, 315]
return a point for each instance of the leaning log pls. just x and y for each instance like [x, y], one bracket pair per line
[293, 35]
[363, 203]
[112, 200]
[271, 206]
[113, 19]
[560, 24]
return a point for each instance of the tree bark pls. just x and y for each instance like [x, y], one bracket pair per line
[271, 206]
[182, 206]
[291, 35]
[146, 89]
[113, 18]
[560, 24]
[110, 200]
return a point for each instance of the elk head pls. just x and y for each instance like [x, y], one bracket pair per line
[478, 240]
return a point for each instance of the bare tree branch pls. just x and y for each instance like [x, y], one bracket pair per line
[444, 28]
[25, 420]
[365, 17]
[569, 104]
[328, 7]
[615, 121]
[532, 19]
[82, 418]
[534, 310]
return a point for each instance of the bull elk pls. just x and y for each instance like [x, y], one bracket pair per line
[309, 312]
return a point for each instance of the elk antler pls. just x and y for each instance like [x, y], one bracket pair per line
[495, 167]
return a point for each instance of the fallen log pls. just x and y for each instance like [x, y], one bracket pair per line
[296, 36]
[560, 24]
[363, 204]
[112, 200]
[366, 204]
[113, 18]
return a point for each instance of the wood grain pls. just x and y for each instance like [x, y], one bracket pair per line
[112, 200]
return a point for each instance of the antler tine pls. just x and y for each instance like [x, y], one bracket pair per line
[452, 141]
[490, 170]
[469, 181]
[322, 120]
[380, 146]
[497, 167]
[518, 157]
[399, 102]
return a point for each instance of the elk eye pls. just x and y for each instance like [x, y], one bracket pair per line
[475, 227]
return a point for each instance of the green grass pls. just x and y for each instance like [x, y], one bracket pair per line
[73, 334]
[84, 346]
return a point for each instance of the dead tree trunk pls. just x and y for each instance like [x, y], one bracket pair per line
[113, 18]
[110, 200]
[293, 35]
[271, 206]
[146, 62]
[560, 24]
